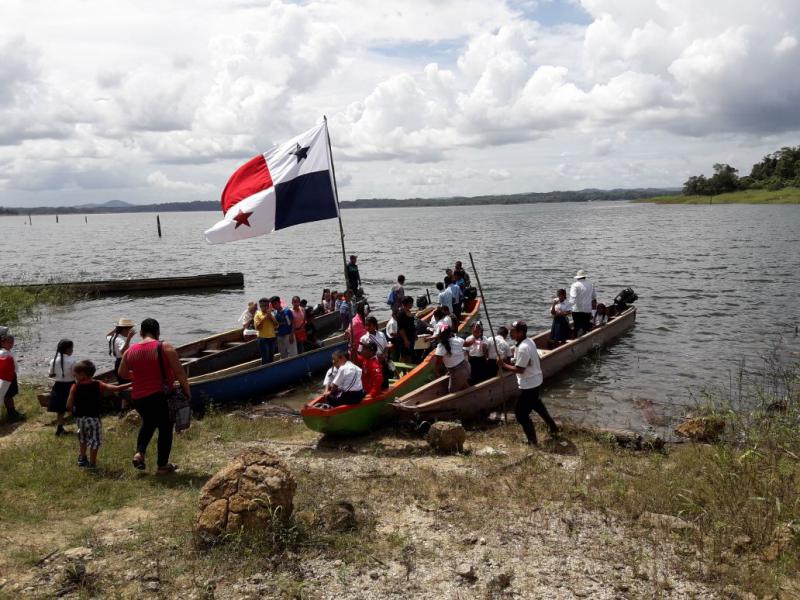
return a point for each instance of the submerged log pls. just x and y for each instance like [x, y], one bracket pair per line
[157, 284]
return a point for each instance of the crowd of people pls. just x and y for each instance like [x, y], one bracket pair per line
[149, 366]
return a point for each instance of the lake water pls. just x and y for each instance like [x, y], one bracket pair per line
[716, 284]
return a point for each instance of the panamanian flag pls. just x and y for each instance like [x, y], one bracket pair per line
[289, 184]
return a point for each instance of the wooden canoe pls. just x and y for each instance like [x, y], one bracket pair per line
[155, 284]
[431, 401]
[372, 411]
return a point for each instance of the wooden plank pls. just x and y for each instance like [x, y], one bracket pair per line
[157, 284]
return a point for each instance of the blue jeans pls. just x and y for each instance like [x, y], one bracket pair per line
[268, 347]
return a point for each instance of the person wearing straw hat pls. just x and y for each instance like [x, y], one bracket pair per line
[583, 299]
[119, 340]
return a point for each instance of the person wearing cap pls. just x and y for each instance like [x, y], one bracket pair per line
[528, 370]
[583, 300]
[119, 340]
[353, 276]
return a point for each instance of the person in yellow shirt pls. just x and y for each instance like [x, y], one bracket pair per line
[265, 324]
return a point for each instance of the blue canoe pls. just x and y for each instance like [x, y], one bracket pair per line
[252, 380]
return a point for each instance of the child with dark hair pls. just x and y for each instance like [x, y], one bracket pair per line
[84, 402]
[9, 387]
[560, 309]
[61, 372]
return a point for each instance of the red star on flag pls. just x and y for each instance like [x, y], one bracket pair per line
[242, 219]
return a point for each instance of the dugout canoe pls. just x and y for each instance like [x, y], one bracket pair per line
[432, 402]
[372, 411]
[250, 380]
[155, 284]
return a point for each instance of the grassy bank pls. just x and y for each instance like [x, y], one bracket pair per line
[16, 303]
[784, 196]
[581, 517]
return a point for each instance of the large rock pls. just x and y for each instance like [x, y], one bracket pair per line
[247, 494]
[447, 437]
[702, 429]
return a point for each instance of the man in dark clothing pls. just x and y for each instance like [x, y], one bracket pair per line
[406, 329]
[353, 276]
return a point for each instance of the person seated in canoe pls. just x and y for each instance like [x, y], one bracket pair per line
[478, 353]
[372, 377]
[600, 315]
[343, 306]
[346, 386]
[312, 341]
[450, 357]
[560, 309]
[373, 336]
[327, 301]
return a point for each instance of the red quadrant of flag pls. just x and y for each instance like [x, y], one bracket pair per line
[251, 178]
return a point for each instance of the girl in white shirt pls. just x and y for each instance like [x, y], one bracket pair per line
[478, 351]
[450, 355]
[61, 372]
[600, 316]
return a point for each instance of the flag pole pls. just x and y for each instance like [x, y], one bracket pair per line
[341, 227]
[338, 208]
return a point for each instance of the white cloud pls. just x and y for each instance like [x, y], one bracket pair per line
[450, 97]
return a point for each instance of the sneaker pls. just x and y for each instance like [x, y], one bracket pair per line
[83, 461]
[60, 431]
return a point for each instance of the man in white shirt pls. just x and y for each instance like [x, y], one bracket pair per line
[346, 387]
[583, 299]
[458, 295]
[529, 378]
[445, 296]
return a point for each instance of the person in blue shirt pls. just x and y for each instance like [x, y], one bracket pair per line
[458, 295]
[287, 345]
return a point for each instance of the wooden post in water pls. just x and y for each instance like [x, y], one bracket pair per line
[30, 221]
[158, 224]
[85, 219]
[56, 218]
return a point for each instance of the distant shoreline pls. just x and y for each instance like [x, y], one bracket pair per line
[783, 196]
[588, 195]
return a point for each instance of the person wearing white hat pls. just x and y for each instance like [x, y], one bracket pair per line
[119, 340]
[583, 299]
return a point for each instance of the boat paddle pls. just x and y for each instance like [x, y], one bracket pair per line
[491, 329]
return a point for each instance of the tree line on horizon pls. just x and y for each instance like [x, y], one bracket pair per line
[774, 172]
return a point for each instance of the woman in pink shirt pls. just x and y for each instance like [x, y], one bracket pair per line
[299, 324]
[141, 365]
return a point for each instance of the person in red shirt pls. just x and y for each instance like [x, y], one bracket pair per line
[371, 369]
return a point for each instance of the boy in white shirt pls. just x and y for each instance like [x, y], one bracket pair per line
[346, 387]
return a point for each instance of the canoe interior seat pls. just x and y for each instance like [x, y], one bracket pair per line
[233, 344]
[543, 352]
[186, 359]
[403, 366]
[211, 350]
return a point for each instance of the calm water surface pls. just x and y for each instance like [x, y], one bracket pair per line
[717, 284]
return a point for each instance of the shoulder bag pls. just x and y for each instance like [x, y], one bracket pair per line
[180, 410]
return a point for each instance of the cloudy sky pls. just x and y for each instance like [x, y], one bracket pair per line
[155, 101]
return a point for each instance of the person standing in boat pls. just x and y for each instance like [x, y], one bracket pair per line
[9, 387]
[393, 336]
[346, 387]
[478, 353]
[372, 374]
[353, 276]
[358, 326]
[460, 275]
[152, 365]
[246, 321]
[450, 356]
[343, 306]
[583, 300]
[373, 336]
[445, 297]
[266, 325]
[498, 346]
[119, 340]
[458, 296]
[396, 294]
[528, 370]
[406, 330]
[287, 345]
[61, 371]
[299, 324]
[560, 309]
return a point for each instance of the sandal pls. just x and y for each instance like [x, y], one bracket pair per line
[138, 462]
[167, 469]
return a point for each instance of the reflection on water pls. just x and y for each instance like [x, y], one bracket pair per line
[717, 284]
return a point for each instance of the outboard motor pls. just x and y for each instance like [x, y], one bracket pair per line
[625, 297]
[422, 302]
